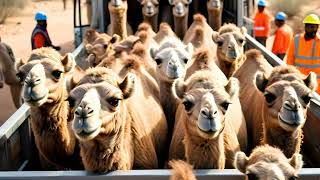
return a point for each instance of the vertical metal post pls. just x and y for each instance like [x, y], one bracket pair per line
[240, 13]
[80, 21]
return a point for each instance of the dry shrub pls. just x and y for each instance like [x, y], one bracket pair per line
[9, 7]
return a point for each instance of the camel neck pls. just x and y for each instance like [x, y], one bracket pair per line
[153, 21]
[225, 67]
[181, 25]
[118, 20]
[288, 142]
[204, 153]
[214, 18]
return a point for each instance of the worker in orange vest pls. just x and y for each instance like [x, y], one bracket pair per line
[262, 23]
[304, 49]
[283, 36]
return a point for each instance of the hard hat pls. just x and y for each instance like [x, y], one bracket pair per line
[281, 16]
[311, 19]
[262, 3]
[40, 16]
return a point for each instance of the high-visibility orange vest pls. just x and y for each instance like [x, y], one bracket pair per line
[262, 24]
[305, 55]
[282, 39]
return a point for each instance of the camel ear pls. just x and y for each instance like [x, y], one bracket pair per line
[127, 85]
[68, 62]
[241, 161]
[233, 88]
[215, 36]
[115, 38]
[178, 88]
[189, 48]
[243, 30]
[261, 81]
[75, 78]
[311, 81]
[189, 1]
[139, 1]
[89, 47]
[296, 161]
[171, 2]
[153, 52]
[18, 63]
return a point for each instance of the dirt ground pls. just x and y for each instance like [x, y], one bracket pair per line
[17, 31]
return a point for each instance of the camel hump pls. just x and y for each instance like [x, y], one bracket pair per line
[144, 26]
[139, 50]
[199, 33]
[181, 170]
[199, 18]
[143, 36]
[253, 54]
[165, 27]
[202, 57]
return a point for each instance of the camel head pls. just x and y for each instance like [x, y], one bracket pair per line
[287, 93]
[100, 49]
[206, 101]
[149, 7]
[230, 41]
[43, 77]
[266, 162]
[98, 103]
[117, 5]
[171, 58]
[180, 7]
[214, 5]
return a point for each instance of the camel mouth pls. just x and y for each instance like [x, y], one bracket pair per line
[289, 119]
[87, 135]
[174, 72]
[215, 5]
[232, 55]
[209, 126]
[36, 100]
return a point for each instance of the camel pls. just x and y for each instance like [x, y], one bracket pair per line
[116, 132]
[146, 27]
[215, 8]
[118, 18]
[44, 89]
[171, 58]
[8, 73]
[205, 120]
[181, 170]
[100, 48]
[281, 96]
[267, 162]
[165, 31]
[230, 48]
[180, 11]
[150, 12]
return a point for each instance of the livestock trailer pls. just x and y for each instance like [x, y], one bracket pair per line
[19, 156]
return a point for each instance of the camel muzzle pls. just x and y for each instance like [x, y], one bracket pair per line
[291, 117]
[215, 4]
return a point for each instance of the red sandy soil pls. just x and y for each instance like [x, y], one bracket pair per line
[17, 31]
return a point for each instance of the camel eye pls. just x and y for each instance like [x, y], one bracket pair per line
[241, 41]
[158, 61]
[293, 178]
[185, 60]
[252, 176]
[270, 98]
[306, 99]
[225, 106]
[187, 105]
[56, 74]
[20, 76]
[72, 102]
[114, 101]
[220, 43]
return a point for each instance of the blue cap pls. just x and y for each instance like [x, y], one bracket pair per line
[40, 16]
[262, 3]
[281, 16]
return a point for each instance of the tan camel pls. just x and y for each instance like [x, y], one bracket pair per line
[171, 58]
[8, 73]
[115, 131]
[215, 8]
[150, 12]
[200, 34]
[146, 27]
[180, 11]
[44, 90]
[266, 162]
[165, 31]
[230, 48]
[181, 170]
[281, 96]
[118, 18]
[203, 121]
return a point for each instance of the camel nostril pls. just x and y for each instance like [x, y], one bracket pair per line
[90, 111]
[37, 81]
[78, 111]
[203, 112]
[216, 112]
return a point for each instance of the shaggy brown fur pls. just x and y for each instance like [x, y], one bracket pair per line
[164, 32]
[135, 134]
[146, 27]
[50, 114]
[181, 170]
[118, 19]
[230, 48]
[8, 73]
[268, 91]
[199, 148]
[215, 8]
[266, 162]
